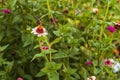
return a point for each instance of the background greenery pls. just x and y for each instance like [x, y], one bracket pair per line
[78, 34]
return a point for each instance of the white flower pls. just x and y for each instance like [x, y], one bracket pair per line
[39, 31]
[91, 78]
[95, 10]
[116, 67]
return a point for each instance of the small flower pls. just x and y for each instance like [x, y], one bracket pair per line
[108, 62]
[117, 25]
[116, 67]
[6, 11]
[91, 78]
[95, 10]
[89, 63]
[19, 78]
[111, 28]
[39, 31]
[45, 47]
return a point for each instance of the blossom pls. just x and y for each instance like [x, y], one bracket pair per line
[108, 62]
[91, 78]
[89, 63]
[19, 78]
[116, 67]
[117, 25]
[95, 10]
[45, 47]
[111, 28]
[39, 31]
[6, 11]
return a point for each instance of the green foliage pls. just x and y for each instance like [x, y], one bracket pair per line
[76, 35]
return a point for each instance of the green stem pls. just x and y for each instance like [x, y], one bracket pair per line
[47, 2]
[103, 27]
[42, 50]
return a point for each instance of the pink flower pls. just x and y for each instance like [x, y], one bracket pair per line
[95, 10]
[111, 28]
[91, 78]
[6, 11]
[108, 62]
[19, 78]
[45, 47]
[89, 63]
[39, 31]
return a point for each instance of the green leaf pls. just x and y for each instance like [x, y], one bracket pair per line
[37, 56]
[2, 73]
[55, 41]
[12, 3]
[28, 77]
[53, 75]
[3, 47]
[30, 17]
[49, 51]
[16, 19]
[1, 36]
[57, 66]
[40, 74]
[60, 55]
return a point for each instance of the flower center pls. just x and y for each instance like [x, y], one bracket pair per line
[40, 29]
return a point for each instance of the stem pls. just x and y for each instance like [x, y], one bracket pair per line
[103, 27]
[40, 45]
[47, 2]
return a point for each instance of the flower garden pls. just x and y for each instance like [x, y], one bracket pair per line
[59, 39]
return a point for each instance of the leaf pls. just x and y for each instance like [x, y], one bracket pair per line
[30, 17]
[28, 77]
[40, 74]
[60, 55]
[1, 36]
[37, 56]
[55, 41]
[57, 33]
[3, 47]
[49, 51]
[16, 19]
[53, 75]
[12, 3]
[57, 66]
[2, 73]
